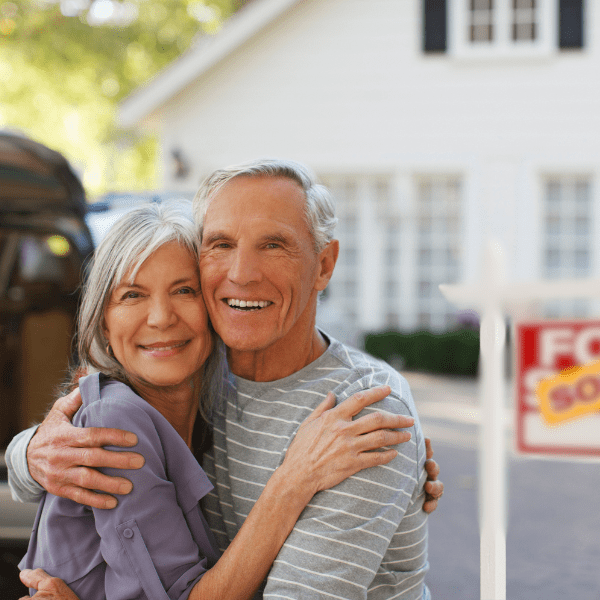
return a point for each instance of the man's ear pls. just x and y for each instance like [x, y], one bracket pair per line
[327, 259]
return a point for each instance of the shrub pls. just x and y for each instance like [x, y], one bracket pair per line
[451, 353]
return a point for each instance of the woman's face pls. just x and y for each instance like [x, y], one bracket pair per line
[157, 326]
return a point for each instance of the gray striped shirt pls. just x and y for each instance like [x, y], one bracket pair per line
[365, 538]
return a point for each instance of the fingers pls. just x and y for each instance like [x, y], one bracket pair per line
[33, 578]
[430, 505]
[49, 588]
[353, 405]
[99, 457]
[87, 497]
[433, 469]
[381, 420]
[94, 480]
[434, 491]
[68, 405]
[428, 448]
[327, 404]
[96, 437]
[380, 439]
[78, 482]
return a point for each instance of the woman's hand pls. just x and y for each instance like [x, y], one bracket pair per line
[434, 488]
[329, 446]
[49, 588]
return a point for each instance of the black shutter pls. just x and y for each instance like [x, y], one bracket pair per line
[434, 25]
[570, 24]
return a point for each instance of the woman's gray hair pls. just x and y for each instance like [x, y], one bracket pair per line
[319, 208]
[130, 241]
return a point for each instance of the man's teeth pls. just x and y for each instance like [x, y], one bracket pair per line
[247, 303]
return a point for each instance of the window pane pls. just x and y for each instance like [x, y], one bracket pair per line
[439, 248]
[567, 233]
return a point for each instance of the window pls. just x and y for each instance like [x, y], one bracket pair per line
[438, 249]
[481, 21]
[390, 226]
[344, 287]
[366, 280]
[567, 230]
[489, 28]
[524, 20]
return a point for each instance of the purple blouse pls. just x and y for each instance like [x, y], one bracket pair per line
[155, 544]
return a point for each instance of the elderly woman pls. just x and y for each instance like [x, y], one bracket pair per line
[152, 360]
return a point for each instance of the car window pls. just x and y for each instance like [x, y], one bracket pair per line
[34, 264]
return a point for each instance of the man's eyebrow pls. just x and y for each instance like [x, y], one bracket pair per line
[277, 237]
[214, 236]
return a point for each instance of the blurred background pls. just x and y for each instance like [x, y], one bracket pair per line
[436, 124]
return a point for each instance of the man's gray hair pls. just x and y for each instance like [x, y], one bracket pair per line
[130, 241]
[319, 208]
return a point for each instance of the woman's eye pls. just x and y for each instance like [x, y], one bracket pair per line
[130, 295]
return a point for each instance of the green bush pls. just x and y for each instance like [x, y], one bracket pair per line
[451, 353]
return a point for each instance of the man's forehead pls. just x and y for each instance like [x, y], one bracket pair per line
[260, 202]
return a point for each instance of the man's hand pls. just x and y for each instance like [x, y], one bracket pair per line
[433, 488]
[60, 457]
[49, 588]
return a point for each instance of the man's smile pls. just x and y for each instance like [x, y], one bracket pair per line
[247, 305]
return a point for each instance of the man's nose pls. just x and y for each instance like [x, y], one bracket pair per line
[161, 314]
[245, 267]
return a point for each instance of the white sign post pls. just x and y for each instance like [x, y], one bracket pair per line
[487, 299]
[491, 298]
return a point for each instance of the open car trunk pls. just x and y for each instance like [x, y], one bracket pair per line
[44, 243]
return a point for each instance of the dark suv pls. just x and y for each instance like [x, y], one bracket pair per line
[44, 244]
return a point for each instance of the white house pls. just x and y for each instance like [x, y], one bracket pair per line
[436, 124]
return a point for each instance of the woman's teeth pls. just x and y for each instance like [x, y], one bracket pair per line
[163, 348]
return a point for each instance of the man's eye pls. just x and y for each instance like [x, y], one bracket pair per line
[273, 245]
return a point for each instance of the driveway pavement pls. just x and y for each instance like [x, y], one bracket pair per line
[553, 539]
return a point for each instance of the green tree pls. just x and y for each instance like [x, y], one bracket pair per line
[65, 65]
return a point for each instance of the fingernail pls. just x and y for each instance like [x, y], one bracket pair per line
[136, 462]
[110, 502]
[131, 438]
[125, 488]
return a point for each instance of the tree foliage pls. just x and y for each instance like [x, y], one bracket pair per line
[65, 65]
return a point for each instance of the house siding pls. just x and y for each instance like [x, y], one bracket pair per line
[345, 86]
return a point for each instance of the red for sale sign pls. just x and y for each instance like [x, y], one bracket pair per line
[558, 386]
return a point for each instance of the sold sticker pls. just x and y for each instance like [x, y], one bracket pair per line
[572, 393]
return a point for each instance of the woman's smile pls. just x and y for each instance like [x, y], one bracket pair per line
[160, 349]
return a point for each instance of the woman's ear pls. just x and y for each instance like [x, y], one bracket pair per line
[327, 259]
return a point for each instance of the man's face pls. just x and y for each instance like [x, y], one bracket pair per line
[260, 275]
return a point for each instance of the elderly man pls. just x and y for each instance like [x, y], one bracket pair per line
[267, 251]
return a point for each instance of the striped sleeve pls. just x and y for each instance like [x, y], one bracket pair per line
[340, 547]
[23, 487]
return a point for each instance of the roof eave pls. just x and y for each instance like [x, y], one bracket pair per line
[205, 54]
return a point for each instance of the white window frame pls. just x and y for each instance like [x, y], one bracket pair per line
[502, 46]
[577, 308]
[441, 314]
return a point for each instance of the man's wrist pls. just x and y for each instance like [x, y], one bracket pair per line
[22, 485]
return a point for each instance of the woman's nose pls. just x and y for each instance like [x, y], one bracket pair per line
[161, 313]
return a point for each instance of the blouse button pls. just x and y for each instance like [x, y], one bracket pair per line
[128, 533]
